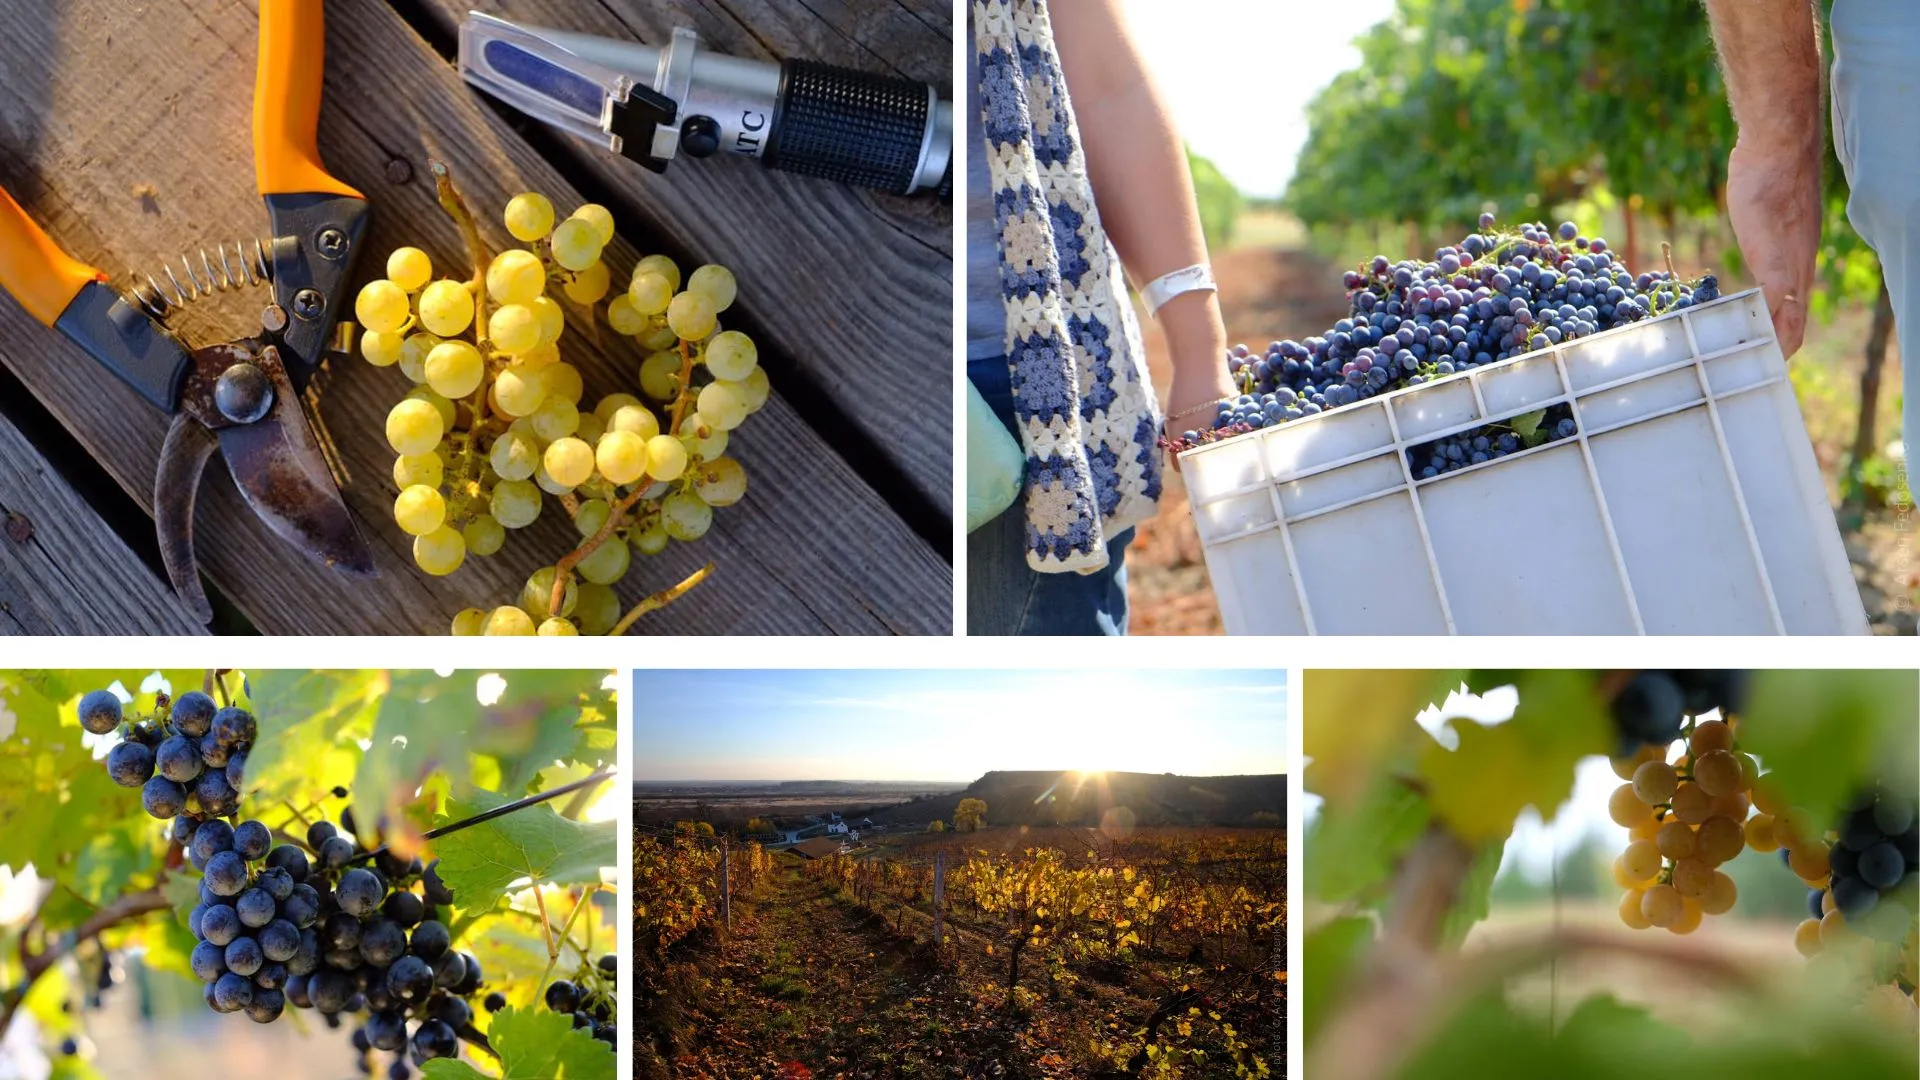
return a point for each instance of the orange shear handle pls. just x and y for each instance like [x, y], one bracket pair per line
[286, 100]
[42, 277]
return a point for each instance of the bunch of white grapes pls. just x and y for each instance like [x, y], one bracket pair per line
[1687, 816]
[495, 421]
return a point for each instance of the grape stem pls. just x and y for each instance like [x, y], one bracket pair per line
[563, 570]
[125, 909]
[659, 600]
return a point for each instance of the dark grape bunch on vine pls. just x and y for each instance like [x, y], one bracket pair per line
[317, 923]
[1872, 858]
[588, 998]
[1651, 707]
[1498, 293]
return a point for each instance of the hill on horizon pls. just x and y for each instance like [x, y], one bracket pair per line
[1064, 798]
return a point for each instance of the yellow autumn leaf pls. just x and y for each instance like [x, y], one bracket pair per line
[1358, 722]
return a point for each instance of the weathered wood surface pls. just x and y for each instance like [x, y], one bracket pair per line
[125, 130]
[62, 569]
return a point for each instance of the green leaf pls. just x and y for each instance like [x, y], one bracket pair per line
[1527, 425]
[1359, 723]
[535, 1045]
[1480, 788]
[1333, 955]
[1356, 847]
[1823, 733]
[1474, 900]
[311, 724]
[478, 863]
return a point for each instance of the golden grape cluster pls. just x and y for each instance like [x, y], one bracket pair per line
[496, 423]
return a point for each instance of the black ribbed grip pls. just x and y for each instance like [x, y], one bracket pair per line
[849, 126]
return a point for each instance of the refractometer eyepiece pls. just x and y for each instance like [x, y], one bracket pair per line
[654, 104]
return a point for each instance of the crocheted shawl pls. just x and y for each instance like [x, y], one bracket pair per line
[1088, 419]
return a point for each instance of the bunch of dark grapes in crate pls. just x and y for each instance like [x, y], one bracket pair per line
[1490, 441]
[317, 922]
[1495, 295]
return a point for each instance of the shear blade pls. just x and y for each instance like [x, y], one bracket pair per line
[279, 468]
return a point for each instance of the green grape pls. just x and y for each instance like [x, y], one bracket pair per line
[691, 316]
[731, 355]
[484, 535]
[600, 218]
[607, 564]
[514, 328]
[621, 456]
[454, 369]
[508, 622]
[411, 469]
[409, 268]
[529, 216]
[660, 376]
[650, 536]
[516, 276]
[702, 441]
[382, 350]
[686, 518]
[591, 516]
[515, 503]
[446, 307]
[440, 402]
[624, 318]
[537, 594]
[666, 458]
[569, 462]
[519, 390]
[514, 456]
[715, 284]
[597, 609]
[556, 418]
[419, 510]
[538, 358]
[720, 482]
[634, 419]
[552, 318]
[382, 306]
[576, 244]
[563, 380]
[414, 427]
[650, 293]
[440, 552]
[611, 403]
[469, 623]
[413, 355]
[545, 482]
[558, 628]
[590, 429]
[659, 337]
[757, 389]
[586, 287]
[660, 264]
[723, 405]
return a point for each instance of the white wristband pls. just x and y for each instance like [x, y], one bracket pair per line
[1195, 278]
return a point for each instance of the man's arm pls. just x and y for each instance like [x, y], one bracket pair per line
[1770, 56]
[1138, 165]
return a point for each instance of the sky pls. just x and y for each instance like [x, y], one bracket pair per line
[1239, 73]
[954, 725]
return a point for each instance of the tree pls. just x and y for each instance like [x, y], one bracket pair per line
[969, 815]
[938, 826]
[756, 826]
[1264, 819]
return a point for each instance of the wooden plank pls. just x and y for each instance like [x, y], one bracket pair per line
[62, 569]
[811, 549]
[855, 286]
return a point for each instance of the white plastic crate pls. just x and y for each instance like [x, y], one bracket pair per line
[1688, 503]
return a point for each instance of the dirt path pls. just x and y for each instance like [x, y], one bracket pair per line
[811, 986]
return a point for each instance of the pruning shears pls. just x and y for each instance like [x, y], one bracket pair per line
[248, 398]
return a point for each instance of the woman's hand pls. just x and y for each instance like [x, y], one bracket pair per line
[1196, 385]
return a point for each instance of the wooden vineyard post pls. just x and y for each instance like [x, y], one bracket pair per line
[939, 894]
[726, 891]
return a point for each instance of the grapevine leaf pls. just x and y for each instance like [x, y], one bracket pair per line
[1603, 1024]
[479, 863]
[535, 1045]
[1822, 732]
[1371, 833]
[311, 724]
[1357, 723]
[1332, 954]
[1473, 902]
[1527, 425]
[1480, 788]
[183, 894]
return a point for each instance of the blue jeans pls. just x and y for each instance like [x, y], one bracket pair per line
[1004, 595]
[1876, 98]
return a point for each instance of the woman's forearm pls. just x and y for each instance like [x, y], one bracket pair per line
[1138, 166]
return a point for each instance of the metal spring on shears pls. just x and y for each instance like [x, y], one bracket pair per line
[234, 269]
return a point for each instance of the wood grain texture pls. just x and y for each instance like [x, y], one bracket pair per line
[62, 569]
[856, 287]
[126, 179]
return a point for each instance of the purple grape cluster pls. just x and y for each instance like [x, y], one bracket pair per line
[1488, 442]
[1495, 295]
[188, 758]
[1876, 864]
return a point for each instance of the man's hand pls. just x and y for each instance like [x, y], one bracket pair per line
[1773, 197]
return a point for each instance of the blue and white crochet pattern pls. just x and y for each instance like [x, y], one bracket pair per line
[1087, 416]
